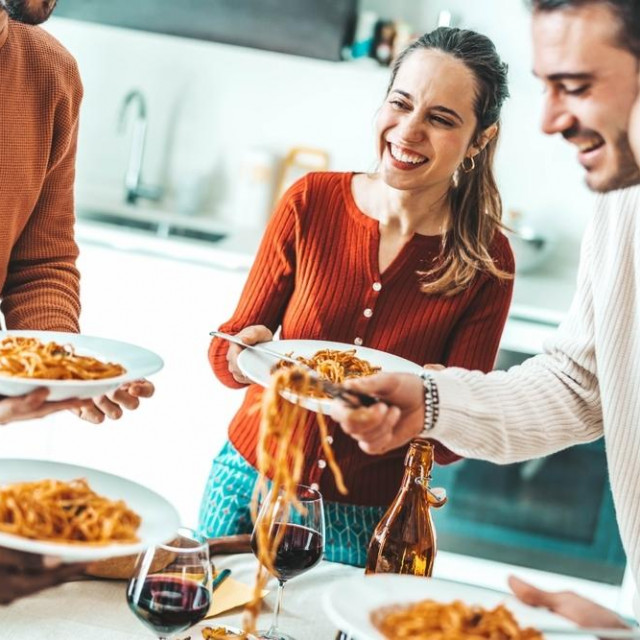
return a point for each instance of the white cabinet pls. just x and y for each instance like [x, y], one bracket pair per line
[168, 306]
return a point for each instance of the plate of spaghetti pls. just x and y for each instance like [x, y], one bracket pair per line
[335, 361]
[401, 607]
[77, 513]
[70, 365]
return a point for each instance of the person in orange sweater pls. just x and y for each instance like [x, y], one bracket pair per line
[40, 91]
[409, 260]
[39, 283]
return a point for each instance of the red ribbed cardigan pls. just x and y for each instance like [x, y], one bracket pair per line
[40, 95]
[315, 274]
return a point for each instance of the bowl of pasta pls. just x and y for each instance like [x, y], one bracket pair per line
[77, 513]
[69, 365]
[390, 607]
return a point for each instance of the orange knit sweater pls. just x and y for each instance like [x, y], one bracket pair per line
[40, 94]
[315, 274]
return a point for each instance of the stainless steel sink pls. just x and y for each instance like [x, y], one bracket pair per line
[172, 228]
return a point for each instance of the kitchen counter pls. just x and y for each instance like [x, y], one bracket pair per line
[217, 245]
[545, 295]
[540, 302]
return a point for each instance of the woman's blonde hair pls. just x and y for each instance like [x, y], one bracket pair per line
[474, 198]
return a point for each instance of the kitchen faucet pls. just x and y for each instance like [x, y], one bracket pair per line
[134, 187]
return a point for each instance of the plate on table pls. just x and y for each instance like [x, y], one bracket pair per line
[137, 362]
[349, 603]
[159, 518]
[257, 366]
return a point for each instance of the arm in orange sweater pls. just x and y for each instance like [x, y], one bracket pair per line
[42, 285]
[475, 341]
[268, 288]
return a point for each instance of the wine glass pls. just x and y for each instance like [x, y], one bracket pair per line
[170, 588]
[300, 541]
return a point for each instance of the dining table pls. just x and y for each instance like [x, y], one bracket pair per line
[96, 609]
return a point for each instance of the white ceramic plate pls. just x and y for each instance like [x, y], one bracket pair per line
[137, 361]
[257, 367]
[350, 602]
[160, 520]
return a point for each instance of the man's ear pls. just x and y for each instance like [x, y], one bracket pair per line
[484, 138]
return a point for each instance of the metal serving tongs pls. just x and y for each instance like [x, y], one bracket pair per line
[350, 397]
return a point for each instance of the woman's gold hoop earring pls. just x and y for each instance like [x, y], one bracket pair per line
[471, 167]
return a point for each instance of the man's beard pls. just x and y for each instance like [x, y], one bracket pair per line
[628, 173]
[29, 11]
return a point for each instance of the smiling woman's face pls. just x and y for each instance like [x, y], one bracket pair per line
[29, 11]
[426, 123]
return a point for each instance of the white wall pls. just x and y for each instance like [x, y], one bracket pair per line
[208, 103]
[212, 102]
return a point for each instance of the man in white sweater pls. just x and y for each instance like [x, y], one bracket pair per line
[586, 53]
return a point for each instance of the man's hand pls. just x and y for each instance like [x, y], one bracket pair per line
[251, 335]
[112, 404]
[33, 405]
[22, 574]
[569, 605]
[380, 428]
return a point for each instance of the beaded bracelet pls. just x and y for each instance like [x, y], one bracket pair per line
[431, 401]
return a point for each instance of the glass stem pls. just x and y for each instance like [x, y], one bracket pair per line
[276, 611]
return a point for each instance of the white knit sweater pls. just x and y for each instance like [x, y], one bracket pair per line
[584, 386]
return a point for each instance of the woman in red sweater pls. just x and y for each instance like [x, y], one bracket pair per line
[409, 260]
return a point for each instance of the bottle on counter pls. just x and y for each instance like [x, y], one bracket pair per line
[385, 32]
[405, 539]
[365, 30]
[254, 188]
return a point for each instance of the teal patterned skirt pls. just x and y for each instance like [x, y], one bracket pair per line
[225, 511]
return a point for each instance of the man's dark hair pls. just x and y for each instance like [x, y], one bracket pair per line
[627, 12]
[28, 11]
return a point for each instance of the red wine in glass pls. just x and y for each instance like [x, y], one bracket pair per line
[299, 550]
[170, 589]
[168, 605]
[301, 547]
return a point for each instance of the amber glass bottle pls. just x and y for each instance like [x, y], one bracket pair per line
[404, 540]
